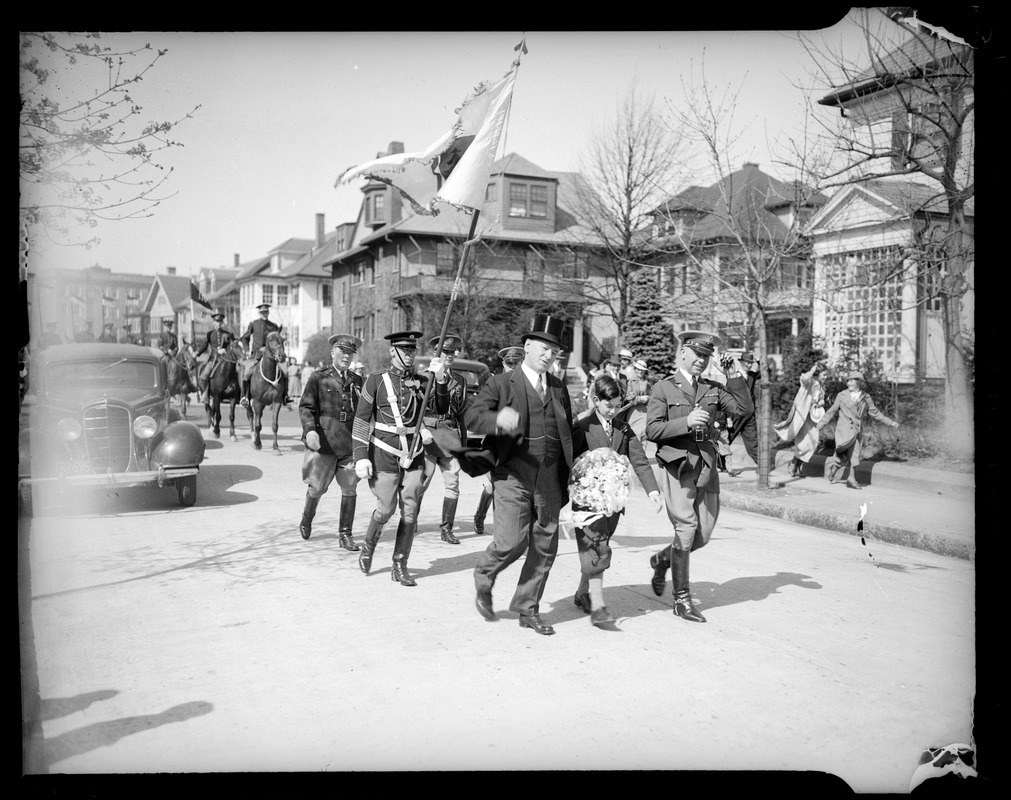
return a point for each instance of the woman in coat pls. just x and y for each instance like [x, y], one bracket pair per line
[801, 424]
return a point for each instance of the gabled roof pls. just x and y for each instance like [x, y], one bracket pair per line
[311, 264]
[251, 268]
[516, 165]
[294, 245]
[223, 291]
[896, 198]
[176, 288]
[746, 196]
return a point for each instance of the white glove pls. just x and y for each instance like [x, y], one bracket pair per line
[363, 468]
[426, 436]
[221, 350]
[437, 367]
[312, 440]
[454, 466]
[657, 502]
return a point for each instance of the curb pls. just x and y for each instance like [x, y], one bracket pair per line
[841, 523]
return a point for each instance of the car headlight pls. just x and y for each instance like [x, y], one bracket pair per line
[144, 427]
[68, 429]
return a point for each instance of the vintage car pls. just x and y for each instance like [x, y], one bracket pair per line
[99, 415]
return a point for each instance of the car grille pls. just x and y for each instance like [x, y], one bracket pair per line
[108, 439]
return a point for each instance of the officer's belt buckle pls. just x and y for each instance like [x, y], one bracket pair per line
[343, 417]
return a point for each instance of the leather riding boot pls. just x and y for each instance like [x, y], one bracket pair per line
[347, 519]
[482, 511]
[372, 534]
[660, 562]
[448, 517]
[401, 551]
[683, 606]
[308, 513]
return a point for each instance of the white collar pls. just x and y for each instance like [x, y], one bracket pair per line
[533, 375]
[688, 375]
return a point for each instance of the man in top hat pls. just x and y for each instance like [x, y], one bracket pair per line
[746, 426]
[168, 342]
[385, 450]
[327, 413]
[254, 340]
[108, 333]
[853, 405]
[216, 344]
[679, 419]
[511, 357]
[451, 419]
[526, 417]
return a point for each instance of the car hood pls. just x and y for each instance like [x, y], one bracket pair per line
[87, 396]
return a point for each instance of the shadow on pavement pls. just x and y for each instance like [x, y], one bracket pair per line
[103, 734]
[56, 707]
[748, 589]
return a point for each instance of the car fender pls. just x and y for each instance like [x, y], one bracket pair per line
[181, 444]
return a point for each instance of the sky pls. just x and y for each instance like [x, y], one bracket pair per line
[282, 114]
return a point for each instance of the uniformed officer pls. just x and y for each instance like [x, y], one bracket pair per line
[167, 339]
[85, 334]
[679, 419]
[327, 414]
[218, 340]
[452, 420]
[386, 453]
[254, 340]
[108, 333]
[511, 357]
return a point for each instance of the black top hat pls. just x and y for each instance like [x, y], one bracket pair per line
[451, 343]
[346, 342]
[702, 342]
[404, 338]
[109, 325]
[219, 315]
[264, 307]
[547, 329]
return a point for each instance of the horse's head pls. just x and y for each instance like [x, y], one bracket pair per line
[275, 347]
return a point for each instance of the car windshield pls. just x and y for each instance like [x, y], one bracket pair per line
[103, 372]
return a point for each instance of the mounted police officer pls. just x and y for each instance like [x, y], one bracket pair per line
[452, 419]
[216, 344]
[168, 342]
[385, 452]
[327, 413]
[254, 340]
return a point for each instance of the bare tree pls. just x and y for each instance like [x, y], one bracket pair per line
[631, 167]
[84, 152]
[908, 99]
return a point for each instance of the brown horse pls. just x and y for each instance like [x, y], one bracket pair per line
[268, 387]
[223, 385]
[181, 368]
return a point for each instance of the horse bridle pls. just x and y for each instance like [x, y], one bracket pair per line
[278, 372]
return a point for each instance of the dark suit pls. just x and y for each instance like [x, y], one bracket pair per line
[593, 542]
[328, 407]
[530, 480]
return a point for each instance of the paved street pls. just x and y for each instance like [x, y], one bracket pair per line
[214, 639]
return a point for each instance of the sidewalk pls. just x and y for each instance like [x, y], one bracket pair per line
[927, 509]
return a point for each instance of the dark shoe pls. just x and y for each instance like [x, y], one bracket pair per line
[447, 536]
[601, 617]
[401, 575]
[660, 566]
[852, 483]
[347, 541]
[535, 622]
[582, 602]
[483, 604]
[734, 473]
[683, 608]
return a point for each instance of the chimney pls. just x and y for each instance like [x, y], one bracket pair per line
[236, 257]
[320, 229]
[170, 270]
[396, 147]
[750, 164]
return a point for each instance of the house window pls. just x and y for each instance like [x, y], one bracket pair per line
[518, 199]
[295, 289]
[528, 201]
[358, 328]
[539, 202]
[362, 272]
[282, 295]
[446, 258]
[268, 293]
[375, 208]
[327, 295]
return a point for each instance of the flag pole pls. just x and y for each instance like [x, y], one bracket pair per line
[415, 449]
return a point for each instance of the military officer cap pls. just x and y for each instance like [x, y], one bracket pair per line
[640, 364]
[511, 354]
[219, 315]
[451, 343]
[264, 307]
[346, 342]
[702, 342]
[405, 340]
[168, 322]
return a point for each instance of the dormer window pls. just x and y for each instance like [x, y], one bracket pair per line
[375, 208]
[528, 200]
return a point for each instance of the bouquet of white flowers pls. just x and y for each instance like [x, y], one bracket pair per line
[600, 482]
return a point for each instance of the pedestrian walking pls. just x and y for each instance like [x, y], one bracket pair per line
[385, 451]
[746, 425]
[853, 405]
[605, 428]
[294, 377]
[801, 423]
[526, 417]
[679, 420]
[326, 412]
[453, 420]
[637, 397]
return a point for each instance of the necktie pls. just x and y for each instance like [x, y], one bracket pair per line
[540, 387]
[607, 429]
[695, 384]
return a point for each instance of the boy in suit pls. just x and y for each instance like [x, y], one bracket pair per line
[605, 428]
